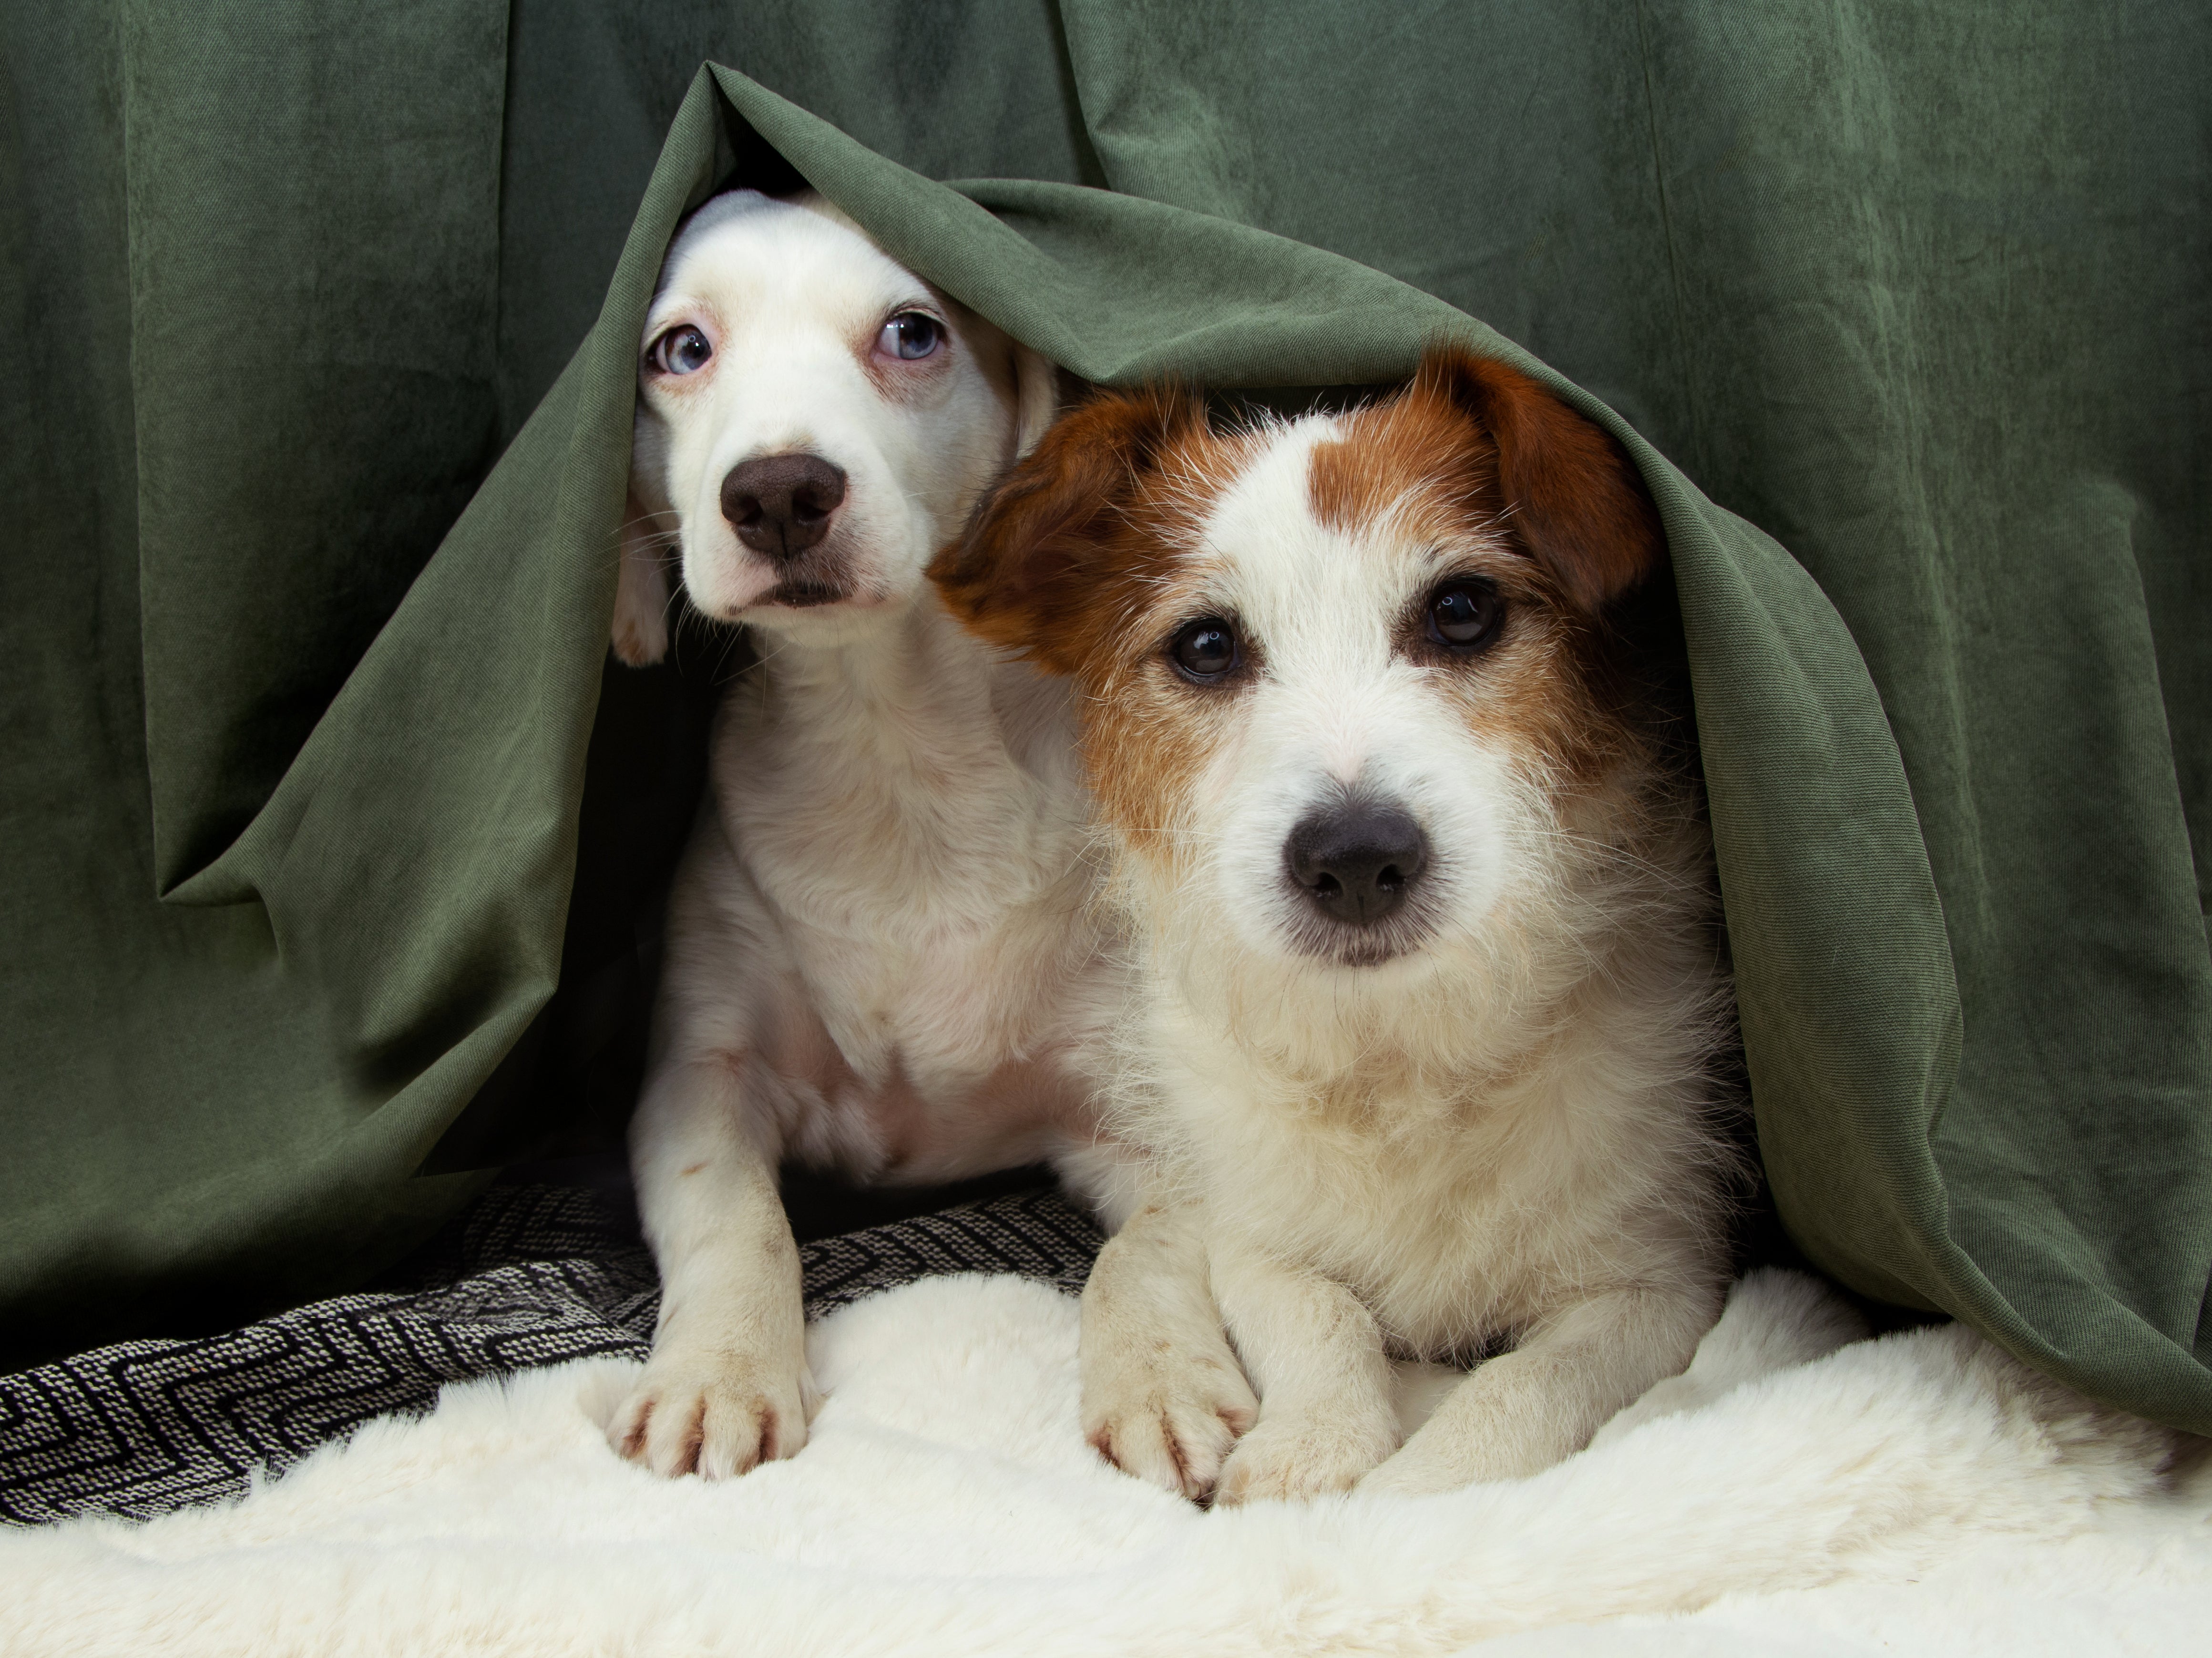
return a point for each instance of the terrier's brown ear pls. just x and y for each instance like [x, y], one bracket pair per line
[1040, 569]
[1571, 494]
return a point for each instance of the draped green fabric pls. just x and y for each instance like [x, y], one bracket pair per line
[332, 840]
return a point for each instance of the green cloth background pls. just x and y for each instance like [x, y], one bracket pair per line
[317, 340]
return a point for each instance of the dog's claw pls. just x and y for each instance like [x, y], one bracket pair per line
[1175, 1428]
[715, 1415]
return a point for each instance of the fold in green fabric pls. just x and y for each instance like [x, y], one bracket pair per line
[300, 770]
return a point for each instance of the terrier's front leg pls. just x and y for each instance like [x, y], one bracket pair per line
[726, 1386]
[1522, 1412]
[1164, 1397]
[1316, 1354]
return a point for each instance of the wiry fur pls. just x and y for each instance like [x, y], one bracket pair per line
[883, 958]
[1488, 1122]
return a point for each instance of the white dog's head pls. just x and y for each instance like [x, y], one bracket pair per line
[1353, 706]
[813, 422]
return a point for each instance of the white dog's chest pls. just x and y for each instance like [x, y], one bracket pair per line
[942, 966]
[938, 1055]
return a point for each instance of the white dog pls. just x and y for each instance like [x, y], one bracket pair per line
[1431, 983]
[882, 959]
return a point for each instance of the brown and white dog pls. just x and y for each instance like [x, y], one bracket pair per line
[883, 956]
[1429, 984]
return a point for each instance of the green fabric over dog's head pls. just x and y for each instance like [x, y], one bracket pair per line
[309, 588]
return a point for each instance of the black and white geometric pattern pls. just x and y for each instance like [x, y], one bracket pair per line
[531, 1275]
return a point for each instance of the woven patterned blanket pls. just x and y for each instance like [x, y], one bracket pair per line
[531, 1275]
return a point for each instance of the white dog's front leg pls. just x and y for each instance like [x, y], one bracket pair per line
[1522, 1412]
[1316, 1354]
[1164, 1397]
[727, 1385]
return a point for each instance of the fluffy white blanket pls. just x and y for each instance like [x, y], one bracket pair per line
[1917, 1493]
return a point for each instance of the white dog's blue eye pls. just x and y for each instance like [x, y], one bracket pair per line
[911, 334]
[681, 350]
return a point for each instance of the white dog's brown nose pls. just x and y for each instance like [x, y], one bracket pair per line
[1357, 859]
[781, 505]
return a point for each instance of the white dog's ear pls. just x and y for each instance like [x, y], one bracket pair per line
[641, 623]
[1036, 397]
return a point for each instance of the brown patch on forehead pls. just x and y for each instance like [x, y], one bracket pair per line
[1551, 690]
[1415, 452]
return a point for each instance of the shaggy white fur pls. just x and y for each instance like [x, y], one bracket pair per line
[1917, 1493]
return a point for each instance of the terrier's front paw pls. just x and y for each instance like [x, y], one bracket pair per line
[1289, 1458]
[1170, 1420]
[1411, 1473]
[713, 1414]
[1438, 1460]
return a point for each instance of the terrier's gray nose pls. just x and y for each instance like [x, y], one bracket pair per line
[1356, 860]
[781, 505]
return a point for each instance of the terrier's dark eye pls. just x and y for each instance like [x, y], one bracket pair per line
[683, 350]
[1205, 649]
[909, 335]
[1463, 615]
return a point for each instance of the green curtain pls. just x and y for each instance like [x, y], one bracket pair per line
[319, 336]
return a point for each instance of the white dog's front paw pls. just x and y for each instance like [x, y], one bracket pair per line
[714, 1413]
[1292, 1457]
[1170, 1417]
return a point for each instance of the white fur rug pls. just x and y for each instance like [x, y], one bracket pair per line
[1919, 1493]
